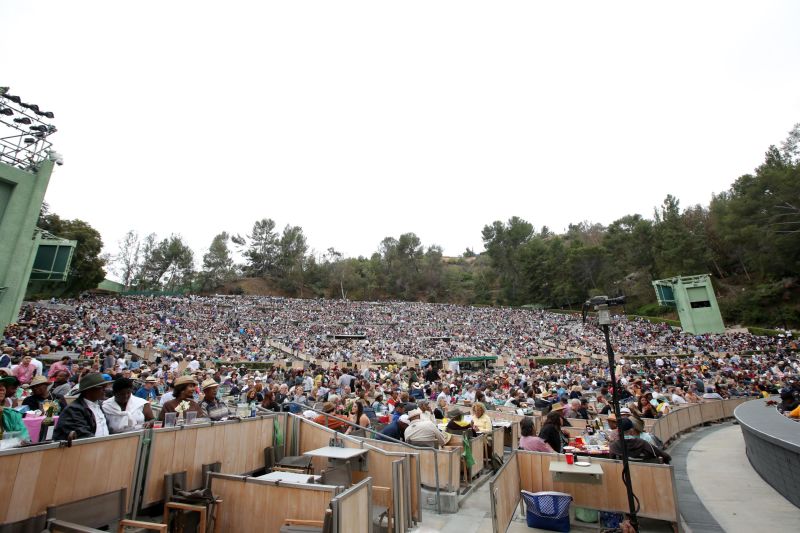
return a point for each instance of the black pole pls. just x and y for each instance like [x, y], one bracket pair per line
[626, 472]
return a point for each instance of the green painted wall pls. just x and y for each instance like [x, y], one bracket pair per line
[695, 301]
[21, 196]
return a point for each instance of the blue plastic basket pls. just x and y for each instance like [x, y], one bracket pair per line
[547, 510]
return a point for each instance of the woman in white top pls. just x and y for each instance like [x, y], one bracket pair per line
[126, 412]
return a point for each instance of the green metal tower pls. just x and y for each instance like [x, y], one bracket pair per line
[26, 163]
[693, 297]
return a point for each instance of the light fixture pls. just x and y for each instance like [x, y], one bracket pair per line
[23, 120]
[7, 111]
[28, 140]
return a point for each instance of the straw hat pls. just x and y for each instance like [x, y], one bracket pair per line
[185, 380]
[151, 379]
[557, 407]
[207, 384]
[39, 380]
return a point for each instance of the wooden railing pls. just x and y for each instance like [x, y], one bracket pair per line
[654, 484]
[237, 444]
[31, 479]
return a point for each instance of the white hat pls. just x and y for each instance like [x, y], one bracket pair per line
[414, 412]
[625, 411]
[403, 419]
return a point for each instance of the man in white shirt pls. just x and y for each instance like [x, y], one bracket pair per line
[39, 367]
[422, 430]
[677, 396]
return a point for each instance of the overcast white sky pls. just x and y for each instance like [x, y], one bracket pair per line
[361, 120]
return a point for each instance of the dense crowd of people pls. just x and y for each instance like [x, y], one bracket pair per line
[108, 364]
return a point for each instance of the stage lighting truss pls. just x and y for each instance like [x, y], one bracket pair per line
[23, 132]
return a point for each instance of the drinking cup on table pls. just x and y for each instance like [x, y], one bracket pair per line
[570, 458]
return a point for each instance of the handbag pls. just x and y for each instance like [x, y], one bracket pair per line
[547, 510]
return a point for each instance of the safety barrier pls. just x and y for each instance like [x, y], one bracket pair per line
[31, 479]
[238, 445]
[243, 497]
[397, 470]
[654, 484]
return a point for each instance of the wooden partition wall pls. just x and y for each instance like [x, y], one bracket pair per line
[352, 509]
[504, 492]
[687, 416]
[380, 464]
[237, 444]
[513, 434]
[478, 446]
[654, 484]
[263, 506]
[31, 479]
[440, 466]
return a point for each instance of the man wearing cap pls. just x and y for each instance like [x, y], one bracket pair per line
[638, 449]
[40, 393]
[395, 430]
[84, 417]
[148, 390]
[422, 430]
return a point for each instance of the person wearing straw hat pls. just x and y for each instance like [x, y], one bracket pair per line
[183, 390]
[84, 417]
[148, 389]
[40, 393]
[212, 408]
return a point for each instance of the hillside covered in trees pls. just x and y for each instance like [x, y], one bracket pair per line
[747, 237]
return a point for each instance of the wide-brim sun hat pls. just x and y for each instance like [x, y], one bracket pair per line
[39, 380]
[185, 380]
[90, 381]
[209, 383]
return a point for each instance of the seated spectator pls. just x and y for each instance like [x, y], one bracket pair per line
[213, 409]
[711, 395]
[61, 385]
[148, 389]
[457, 424]
[11, 419]
[40, 393]
[183, 390]
[422, 430]
[529, 441]
[788, 401]
[126, 412]
[552, 432]
[480, 420]
[84, 417]
[638, 449]
[329, 418]
[395, 430]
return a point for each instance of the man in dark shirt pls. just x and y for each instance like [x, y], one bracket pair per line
[638, 449]
[395, 430]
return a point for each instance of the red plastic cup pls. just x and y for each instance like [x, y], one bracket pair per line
[570, 458]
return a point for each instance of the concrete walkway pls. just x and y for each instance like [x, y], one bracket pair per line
[731, 491]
